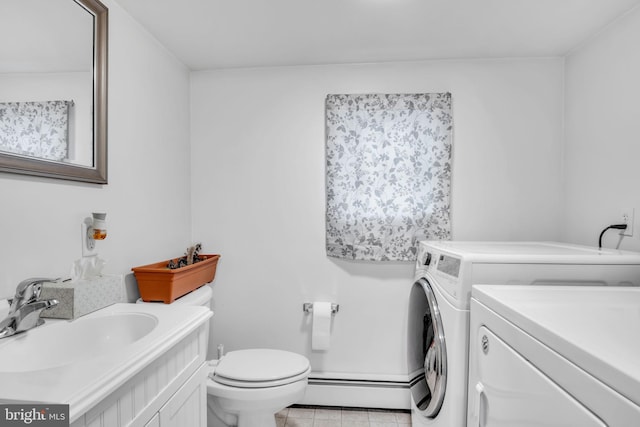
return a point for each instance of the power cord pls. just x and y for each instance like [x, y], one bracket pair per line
[614, 226]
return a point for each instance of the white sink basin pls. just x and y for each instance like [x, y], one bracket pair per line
[82, 362]
[65, 343]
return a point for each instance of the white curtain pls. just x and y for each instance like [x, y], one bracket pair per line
[35, 129]
[388, 174]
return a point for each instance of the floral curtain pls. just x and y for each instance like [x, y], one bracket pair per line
[35, 129]
[388, 176]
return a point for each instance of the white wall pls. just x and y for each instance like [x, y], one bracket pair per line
[258, 194]
[602, 141]
[147, 198]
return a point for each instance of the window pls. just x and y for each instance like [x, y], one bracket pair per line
[388, 173]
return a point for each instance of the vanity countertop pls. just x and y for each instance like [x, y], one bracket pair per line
[88, 380]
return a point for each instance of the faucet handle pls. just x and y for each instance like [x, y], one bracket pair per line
[29, 289]
[27, 283]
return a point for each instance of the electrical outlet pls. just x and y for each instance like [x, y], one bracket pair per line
[88, 245]
[627, 218]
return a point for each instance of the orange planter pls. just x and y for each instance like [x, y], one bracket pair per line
[157, 282]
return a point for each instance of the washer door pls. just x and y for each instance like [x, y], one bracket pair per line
[426, 353]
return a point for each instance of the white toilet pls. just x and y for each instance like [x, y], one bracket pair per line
[247, 387]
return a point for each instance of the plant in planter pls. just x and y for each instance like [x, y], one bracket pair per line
[167, 280]
[191, 256]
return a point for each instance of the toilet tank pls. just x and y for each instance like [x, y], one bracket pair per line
[200, 296]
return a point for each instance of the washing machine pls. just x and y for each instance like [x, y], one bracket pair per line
[438, 314]
[555, 357]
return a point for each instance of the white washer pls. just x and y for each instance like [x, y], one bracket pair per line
[438, 324]
[561, 356]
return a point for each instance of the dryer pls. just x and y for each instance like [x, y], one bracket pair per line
[438, 315]
[554, 357]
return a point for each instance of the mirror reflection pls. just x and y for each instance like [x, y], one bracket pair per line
[47, 88]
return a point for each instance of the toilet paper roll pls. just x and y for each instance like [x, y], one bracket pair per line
[321, 328]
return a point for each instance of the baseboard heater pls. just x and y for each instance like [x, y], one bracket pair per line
[372, 391]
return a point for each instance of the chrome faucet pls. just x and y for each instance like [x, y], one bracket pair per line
[26, 307]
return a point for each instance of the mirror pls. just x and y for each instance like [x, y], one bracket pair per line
[53, 89]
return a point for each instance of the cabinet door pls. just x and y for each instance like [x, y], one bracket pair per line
[188, 406]
[509, 391]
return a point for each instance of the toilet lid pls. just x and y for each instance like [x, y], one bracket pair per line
[260, 368]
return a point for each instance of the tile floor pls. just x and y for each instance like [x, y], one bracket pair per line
[303, 416]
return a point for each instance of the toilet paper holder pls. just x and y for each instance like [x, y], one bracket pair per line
[307, 307]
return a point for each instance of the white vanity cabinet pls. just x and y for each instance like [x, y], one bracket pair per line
[169, 391]
[124, 365]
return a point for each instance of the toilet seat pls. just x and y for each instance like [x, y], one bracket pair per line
[260, 368]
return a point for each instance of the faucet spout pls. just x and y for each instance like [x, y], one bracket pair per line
[26, 307]
[7, 327]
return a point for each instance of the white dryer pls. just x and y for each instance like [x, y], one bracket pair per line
[438, 323]
[554, 357]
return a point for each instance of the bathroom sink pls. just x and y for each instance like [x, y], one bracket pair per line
[83, 361]
[66, 342]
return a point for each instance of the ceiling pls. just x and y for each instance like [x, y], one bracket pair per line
[212, 34]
